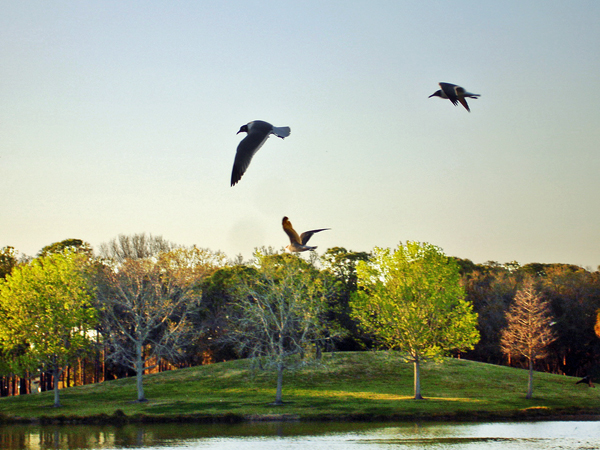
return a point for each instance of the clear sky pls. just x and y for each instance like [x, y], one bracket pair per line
[120, 117]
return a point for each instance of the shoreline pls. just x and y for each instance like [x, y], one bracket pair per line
[121, 419]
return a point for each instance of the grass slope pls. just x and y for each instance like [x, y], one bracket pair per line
[347, 386]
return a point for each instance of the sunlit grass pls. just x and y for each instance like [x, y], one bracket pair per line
[362, 385]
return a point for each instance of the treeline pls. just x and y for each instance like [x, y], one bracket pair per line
[143, 304]
[574, 297]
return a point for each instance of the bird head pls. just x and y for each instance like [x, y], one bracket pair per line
[437, 93]
[243, 128]
[284, 219]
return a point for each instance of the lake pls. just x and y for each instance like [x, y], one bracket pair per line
[312, 436]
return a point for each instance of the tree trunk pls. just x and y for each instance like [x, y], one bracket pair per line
[25, 385]
[530, 384]
[278, 395]
[56, 377]
[418, 395]
[139, 373]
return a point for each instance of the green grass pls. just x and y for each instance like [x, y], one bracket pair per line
[348, 386]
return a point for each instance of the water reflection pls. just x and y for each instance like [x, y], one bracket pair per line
[313, 436]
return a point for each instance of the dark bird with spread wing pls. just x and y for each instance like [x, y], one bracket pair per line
[455, 94]
[298, 243]
[258, 133]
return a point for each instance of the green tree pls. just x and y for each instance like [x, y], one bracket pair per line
[8, 260]
[46, 314]
[528, 331]
[411, 300]
[280, 313]
[73, 245]
[341, 264]
[216, 309]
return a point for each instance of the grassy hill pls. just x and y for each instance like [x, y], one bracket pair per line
[347, 386]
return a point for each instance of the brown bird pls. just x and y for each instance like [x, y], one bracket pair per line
[298, 243]
[258, 133]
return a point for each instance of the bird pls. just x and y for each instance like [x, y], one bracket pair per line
[258, 132]
[587, 380]
[454, 93]
[298, 243]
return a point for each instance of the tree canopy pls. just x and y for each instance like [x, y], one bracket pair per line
[8, 260]
[46, 314]
[146, 305]
[280, 312]
[411, 299]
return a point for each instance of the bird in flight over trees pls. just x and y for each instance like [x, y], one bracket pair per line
[258, 132]
[298, 243]
[454, 93]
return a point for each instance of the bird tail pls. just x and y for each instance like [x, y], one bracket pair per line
[281, 132]
[468, 94]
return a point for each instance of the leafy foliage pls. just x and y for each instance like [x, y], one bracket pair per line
[412, 300]
[70, 245]
[8, 260]
[46, 313]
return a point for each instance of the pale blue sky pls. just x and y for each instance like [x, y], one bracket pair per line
[119, 117]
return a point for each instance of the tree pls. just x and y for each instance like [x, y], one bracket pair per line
[73, 245]
[341, 263]
[146, 304]
[8, 260]
[490, 290]
[46, 314]
[411, 300]
[136, 246]
[574, 297]
[280, 313]
[528, 331]
[216, 308]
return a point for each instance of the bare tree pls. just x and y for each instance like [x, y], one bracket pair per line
[146, 306]
[528, 331]
[136, 246]
[280, 312]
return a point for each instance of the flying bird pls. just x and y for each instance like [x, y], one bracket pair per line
[298, 243]
[454, 93]
[258, 132]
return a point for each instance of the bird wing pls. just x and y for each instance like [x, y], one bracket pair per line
[450, 90]
[307, 234]
[245, 151]
[464, 103]
[289, 230]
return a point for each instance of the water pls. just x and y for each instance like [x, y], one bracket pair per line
[584, 435]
